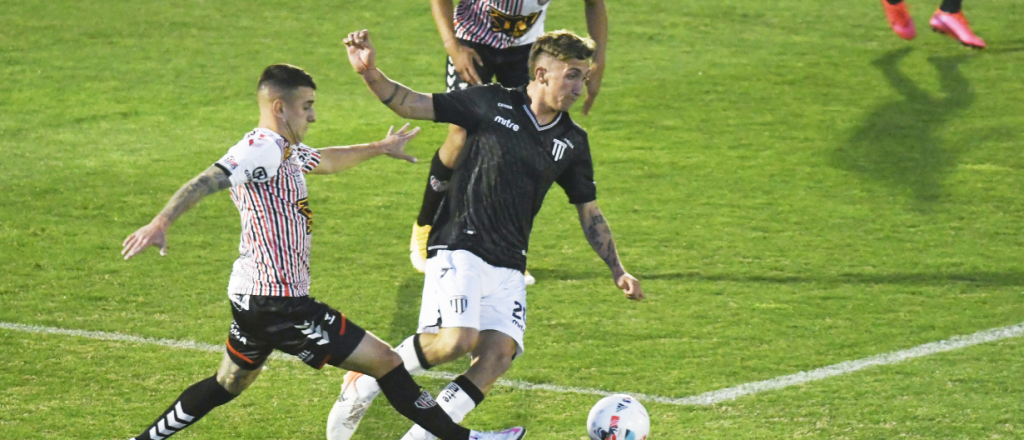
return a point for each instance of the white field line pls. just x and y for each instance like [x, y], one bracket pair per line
[709, 398]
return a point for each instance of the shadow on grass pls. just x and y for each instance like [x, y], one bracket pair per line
[407, 310]
[922, 279]
[898, 142]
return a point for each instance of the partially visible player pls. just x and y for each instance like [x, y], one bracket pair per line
[490, 40]
[948, 19]
[519, 143]
[269, 287]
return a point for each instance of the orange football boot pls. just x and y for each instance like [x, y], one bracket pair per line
[899, 19]
[956, 26]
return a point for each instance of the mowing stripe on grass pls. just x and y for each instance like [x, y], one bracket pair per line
[709, 398]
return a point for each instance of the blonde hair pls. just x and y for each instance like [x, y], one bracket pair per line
[563, 45]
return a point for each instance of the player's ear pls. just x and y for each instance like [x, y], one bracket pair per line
[278, 107]
[541, 74]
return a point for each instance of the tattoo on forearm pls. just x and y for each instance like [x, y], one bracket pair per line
[600, 237]
[392, 97]
[209, 182]
[405, 95]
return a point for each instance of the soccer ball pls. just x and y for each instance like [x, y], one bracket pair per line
[618, 417]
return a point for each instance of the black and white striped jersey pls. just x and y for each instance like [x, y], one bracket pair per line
[500, 23]
[505, 169]
[269, 190]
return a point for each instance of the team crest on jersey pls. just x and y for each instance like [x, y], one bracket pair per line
[558, 150]
[514, 26]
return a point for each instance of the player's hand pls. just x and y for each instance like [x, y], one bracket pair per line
[394, 144]
[361, 53]
[630, 286]
[464, 57]
[153, 234]
[593, 86]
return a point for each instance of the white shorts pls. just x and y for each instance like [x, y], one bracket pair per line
[462, 290]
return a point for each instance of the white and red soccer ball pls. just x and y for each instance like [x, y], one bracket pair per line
[618, 417]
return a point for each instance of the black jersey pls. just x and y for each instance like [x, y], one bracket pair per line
[505, 169]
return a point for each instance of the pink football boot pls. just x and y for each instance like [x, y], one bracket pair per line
[899, 19]
[956, 26]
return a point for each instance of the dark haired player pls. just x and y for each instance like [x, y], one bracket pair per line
[519, 142]
[948, 19]
[485, 40]
[269, 287]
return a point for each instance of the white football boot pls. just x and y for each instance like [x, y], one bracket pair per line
[509, 434]
[357, 393]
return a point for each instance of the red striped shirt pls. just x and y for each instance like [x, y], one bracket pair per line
[500, 23]
[276, 221]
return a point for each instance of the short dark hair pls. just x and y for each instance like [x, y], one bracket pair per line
[562, 44]
[285, 77]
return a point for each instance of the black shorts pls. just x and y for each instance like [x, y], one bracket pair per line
[303, 327]
[509, 66]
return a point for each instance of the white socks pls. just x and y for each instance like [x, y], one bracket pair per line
[455, 401]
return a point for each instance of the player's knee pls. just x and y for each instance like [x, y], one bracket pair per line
[497, 359]
[456, 343]
[237, 380]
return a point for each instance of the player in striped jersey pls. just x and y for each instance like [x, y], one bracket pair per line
[269, 287]
[487, 40]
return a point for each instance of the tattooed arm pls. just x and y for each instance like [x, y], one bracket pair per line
[400, 99]
[599, 234]
[154, 234]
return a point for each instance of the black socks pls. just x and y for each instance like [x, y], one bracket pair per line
[950, 6]
[194, 403]
[417, 405]
[437, 185]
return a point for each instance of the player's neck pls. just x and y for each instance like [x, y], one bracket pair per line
[544, 113]
[271, 124]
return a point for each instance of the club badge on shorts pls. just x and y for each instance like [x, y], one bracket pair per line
[459, 304]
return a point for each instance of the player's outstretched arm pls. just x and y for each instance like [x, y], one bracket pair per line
[335, 159]
[599, 234]
[399, 98]
[597, 27]
[154, 234]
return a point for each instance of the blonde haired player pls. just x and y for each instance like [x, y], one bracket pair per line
[519, 142]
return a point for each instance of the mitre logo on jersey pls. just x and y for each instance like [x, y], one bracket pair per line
[506, 123]
[459, 304]
[514, 26]
[558, 150]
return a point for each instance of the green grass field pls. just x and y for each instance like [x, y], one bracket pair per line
[794, 185]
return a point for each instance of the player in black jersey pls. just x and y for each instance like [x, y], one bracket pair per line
[519, 142]
[490, 40]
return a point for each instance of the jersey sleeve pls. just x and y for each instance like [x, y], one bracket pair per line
[308, 157]
[466, 108]
[578, 178]
[255, 162]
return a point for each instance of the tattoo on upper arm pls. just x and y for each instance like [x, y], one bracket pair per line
[406, 95]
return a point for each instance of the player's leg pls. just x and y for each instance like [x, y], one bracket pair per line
[502, 327]
[451, 298]
[232, 378]
[899, 18]
[949, 19]
[491, 359]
